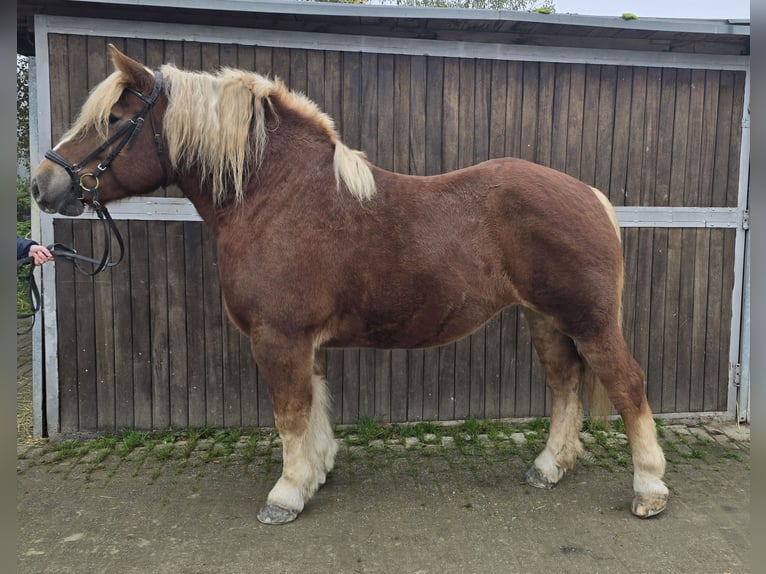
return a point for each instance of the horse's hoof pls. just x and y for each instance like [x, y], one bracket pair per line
[273, 514]
[649, 504]
[536, 478]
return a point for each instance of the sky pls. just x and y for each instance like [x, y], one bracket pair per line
[716, 9]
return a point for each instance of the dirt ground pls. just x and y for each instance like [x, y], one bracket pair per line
[386, 508]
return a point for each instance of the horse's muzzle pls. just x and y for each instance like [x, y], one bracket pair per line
[65, 203]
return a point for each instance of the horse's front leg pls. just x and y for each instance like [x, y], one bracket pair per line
[301, 412]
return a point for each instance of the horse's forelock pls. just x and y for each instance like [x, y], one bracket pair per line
[95, 112]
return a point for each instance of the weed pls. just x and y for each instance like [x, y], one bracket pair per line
[131, 440]
[98, 460]
[163, 452]
[66, 449]
[539, 425]
[106, 441]
[734, 455]
[368, 429]
[593, 426]
[418, 430]
[472, 427]
[697, 453]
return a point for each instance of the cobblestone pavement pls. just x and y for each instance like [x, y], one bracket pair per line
[423, 505]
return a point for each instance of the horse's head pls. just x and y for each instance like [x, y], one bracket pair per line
[113, 150]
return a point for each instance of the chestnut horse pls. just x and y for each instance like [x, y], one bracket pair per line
[319, 248]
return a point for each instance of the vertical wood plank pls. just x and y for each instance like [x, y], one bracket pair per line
[157, 253]
[691, 193]
[646, 237]
[123, 337]
[659, 259]
[177, 337]
[508, 320]
[632, 197]
[530, 87]
[513, 116]
[621, 135]
[315, 83]
[575, 119]
[58, 61]
[589, 125]
[141, 320]
[561, 118]
[66, 312]
[498, 108]
[195, 323]
[213, 324]
[298, 70]
[606, 125]
[673, 276]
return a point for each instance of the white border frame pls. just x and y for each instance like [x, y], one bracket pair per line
[181, 210]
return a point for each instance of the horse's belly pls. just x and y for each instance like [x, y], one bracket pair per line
[429, 326]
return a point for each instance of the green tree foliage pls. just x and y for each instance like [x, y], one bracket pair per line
[517, 5]
[542, 6]
[22, 111]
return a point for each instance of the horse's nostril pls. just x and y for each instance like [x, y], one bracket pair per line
[35, 190]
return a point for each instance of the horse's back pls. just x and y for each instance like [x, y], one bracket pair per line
[509, 231]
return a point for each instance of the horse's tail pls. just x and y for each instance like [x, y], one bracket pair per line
[594, 391]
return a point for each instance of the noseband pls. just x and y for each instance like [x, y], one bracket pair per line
[88, 181]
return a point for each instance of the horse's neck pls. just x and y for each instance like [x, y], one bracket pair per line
[294, 155]
[191, 186]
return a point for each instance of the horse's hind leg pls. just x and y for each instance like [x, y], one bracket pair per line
[563, 371]
[608, 356]
[301, 412]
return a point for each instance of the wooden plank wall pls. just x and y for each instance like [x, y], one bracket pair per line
[148, 345]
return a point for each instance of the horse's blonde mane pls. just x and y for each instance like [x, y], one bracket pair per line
[215, 122]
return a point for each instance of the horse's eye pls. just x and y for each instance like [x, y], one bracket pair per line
[113, 119]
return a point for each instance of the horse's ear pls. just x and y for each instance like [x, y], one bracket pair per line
[140, 78]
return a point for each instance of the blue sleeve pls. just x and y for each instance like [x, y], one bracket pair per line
[22, 247]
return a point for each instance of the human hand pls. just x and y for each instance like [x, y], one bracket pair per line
[40, 254]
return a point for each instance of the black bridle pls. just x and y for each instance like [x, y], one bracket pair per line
[88, 181]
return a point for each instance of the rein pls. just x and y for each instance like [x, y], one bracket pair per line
[89, 182]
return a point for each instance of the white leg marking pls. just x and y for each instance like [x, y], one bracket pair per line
[563, 446]
[645, 483]
[648, 459]
[546, 463]
[308, 458]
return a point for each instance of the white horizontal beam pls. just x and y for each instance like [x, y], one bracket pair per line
[727, 217]
[181, 209]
